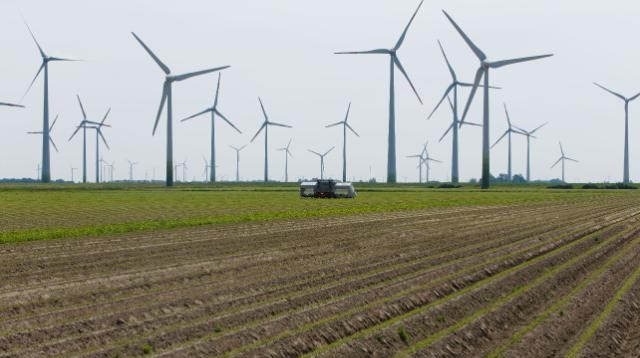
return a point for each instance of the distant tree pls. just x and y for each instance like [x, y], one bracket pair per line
[518, 179]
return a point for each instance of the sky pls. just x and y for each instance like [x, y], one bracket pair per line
[282, 51]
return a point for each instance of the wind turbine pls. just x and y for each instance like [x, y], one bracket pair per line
[426, 159]
[167, 97]
[214, 111]
[265, 125]
[238, 150]
[206, 168]
[50, 128]
[73, 171]
[529, 135]
[321, 160]
[625, 174]
[46, 157]
[420, 162]
[508, 133]
[345, 125]
[455, 84]
[483, 71]
[184, 170]
[100, 136]
[84, 125]
[562, 159]
[394, 63]
[287, 154]
[131, 165]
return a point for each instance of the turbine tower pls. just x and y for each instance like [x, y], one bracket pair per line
[529, 135]
[483, 71]
[265, 125]
[625, 174]
[72, 172]
[345, 125]
[562, 159]
[46, 157]
[214, 111]
[287, 154]
[131, 165]
[207, 166]
[50, 128]
[100, 136]
[394, 63]
[238, 150]
[455, 84]
[508, 134]
[85, 124]
[321, 160]
[167, 97]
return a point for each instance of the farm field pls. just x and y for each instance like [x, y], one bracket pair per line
[254, 271]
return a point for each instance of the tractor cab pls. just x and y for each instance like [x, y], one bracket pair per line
[326, 188]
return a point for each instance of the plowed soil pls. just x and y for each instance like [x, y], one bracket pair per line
[542, 279]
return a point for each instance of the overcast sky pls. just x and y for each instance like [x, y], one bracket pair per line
[282, 50]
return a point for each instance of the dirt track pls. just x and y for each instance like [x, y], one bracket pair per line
[513, 281]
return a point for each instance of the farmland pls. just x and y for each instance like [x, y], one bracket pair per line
[253, 271]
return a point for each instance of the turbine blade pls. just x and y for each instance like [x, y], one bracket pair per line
[32, 82]
[327, 152]
[376, 51]
[520, 130]
[334, 124]
[197, 114]
[476, 83]
[164, 67]
[404, 33]
[215, 101]
[104, 140]
[399, 65]
[610, 91]
[434, 160]
[346, 116]
[533, 131]
[279, 125]
[634, 97]
[506, 111]
[259, 130]
[573, 160]
[165, 92]
[53, 144]
[499, 139]
[11, 105]
[60, 59]
[561, 149]
[104, 119]
[198, 73]
[476, 50]
[226, 120]
[84, 114]
[450, 103]
[74, 132]
[556, 163]
[446, 93]
[314, 152]
[36, 41]
[266, 118]
[244, 146]
[34, 132]
[54, 122]
[498, 64]
[446, 132]
[453, 73]
[472, 124]
[352, 130]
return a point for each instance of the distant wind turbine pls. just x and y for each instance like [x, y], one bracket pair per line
[214, 111]
[265, 125]
[85, 124]
[50, 129]
[238, 150]
[455, 123]
[625, 174]
[321, 160]
[167, 97]
[100, 136]
[344, 125]
[529, 135]
[420, 157]
[207, 166]
[483, 70]
[508, 134]
[72, 172]
[287, 154]
[426, 159]
[131, 165]
[393, 64]
[563, 157]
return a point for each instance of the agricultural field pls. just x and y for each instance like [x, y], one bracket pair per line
[254, 271]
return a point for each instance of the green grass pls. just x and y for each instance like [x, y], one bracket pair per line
[43, 212]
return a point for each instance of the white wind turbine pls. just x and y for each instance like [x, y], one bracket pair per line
[394, 63]
[265, 125]
[167, 97]
[483, 71]
[508, 134]
[321, 160]
[344, 125]
[562, 159]
[287, 154]
[529, 135]
[238, 150]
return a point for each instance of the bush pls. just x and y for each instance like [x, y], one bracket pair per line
[619, 186]
[449, 186]
[591, 186]
[404, 336]
[146, 348]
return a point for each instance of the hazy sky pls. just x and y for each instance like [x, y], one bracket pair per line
[282, 50]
